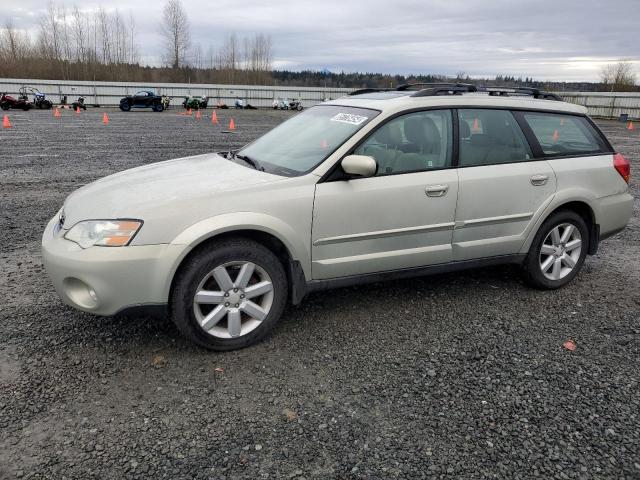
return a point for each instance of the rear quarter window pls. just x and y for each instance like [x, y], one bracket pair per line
[559, 134]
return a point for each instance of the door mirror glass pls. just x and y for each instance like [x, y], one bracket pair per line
[359, 165]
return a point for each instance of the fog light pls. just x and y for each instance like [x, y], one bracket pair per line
[80, 293]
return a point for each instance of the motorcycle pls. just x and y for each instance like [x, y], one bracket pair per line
[39, 99]
[166, 101]
[7, 102]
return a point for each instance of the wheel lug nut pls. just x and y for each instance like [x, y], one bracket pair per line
[235, 289]
[226, 304]
[242, 296]
[226, 294]
[237, 305]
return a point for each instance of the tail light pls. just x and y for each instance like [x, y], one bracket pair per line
[623, 166]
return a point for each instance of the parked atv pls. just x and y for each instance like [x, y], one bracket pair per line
[142, 99]
[79, 103]
[295, 105]
[280, 104]
[195, 103]
[7, 102]
[39, 99]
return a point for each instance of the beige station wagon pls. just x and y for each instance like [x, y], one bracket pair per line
[377, 185]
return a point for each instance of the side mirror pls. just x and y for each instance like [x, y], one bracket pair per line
[359, 165]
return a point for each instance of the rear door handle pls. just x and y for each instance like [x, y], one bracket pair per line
[437, 190]
[538, 180]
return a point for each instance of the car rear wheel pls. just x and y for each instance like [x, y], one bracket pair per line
[125, 107]
[158, 107]
[558, 251]
[5, 106]
[229, 295]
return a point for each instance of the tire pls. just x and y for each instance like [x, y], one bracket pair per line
[157, 107]
[48, 105]
[125, 107]
[26, 107]
[564, 253]
[5, 106]
[197, 275]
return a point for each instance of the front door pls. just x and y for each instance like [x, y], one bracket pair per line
[401, 218]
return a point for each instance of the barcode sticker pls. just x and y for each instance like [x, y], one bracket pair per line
[349, 118]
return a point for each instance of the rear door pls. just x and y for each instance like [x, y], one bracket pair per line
[503, 189]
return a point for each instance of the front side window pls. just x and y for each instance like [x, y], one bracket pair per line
[560, 134]
[411, 143]
[489, 137]
[307, 139]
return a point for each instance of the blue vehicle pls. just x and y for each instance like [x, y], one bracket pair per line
[142, 99]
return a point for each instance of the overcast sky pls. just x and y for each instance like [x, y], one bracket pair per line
[548, 40]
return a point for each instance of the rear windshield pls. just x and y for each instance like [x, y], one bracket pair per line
[560, 134]
[304, 141]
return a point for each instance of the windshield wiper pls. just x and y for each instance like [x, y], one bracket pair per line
[251, 161]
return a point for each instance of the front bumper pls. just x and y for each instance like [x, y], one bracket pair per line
[107, 280]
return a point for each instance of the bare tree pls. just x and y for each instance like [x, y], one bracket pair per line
[618, 76]
[175, 30]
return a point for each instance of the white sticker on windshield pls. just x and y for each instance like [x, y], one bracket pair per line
[349, 118]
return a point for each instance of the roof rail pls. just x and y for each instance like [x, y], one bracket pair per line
[361, 91]
[441, 88]
[528, 91]
[466, 86]
[445, 89]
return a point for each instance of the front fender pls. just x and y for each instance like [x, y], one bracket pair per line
[211, 227]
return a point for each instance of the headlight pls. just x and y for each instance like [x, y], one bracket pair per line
[105, 233]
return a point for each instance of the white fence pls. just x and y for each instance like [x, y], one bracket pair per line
[110, 93]
[606, 104]
[599, 104]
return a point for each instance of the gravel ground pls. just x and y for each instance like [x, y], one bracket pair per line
[447, 376]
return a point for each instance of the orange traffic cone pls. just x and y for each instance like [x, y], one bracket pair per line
[232, 125]
[630, 126]
[56, 113]
[556, 135]
[214, 118]
[105, 118]
[77, 110]
[198, 114]
[476, 127]
[5, 122]
[188, 111]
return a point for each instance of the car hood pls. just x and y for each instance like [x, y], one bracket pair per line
[160, 188]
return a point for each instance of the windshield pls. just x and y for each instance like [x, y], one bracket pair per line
[304, 141]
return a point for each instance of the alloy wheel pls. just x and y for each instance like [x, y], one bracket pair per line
[560, 251]
[233, 299]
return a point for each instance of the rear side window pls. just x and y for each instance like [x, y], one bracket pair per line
[489, 137]
[560, 134]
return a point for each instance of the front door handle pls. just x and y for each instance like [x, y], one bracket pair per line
[538, 180]
[437, 190]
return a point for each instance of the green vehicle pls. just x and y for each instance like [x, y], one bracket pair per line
[195, 103]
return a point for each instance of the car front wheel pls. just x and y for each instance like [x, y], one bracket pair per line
[229, 295]
[558, 251]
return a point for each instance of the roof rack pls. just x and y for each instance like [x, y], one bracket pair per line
[434, 89]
